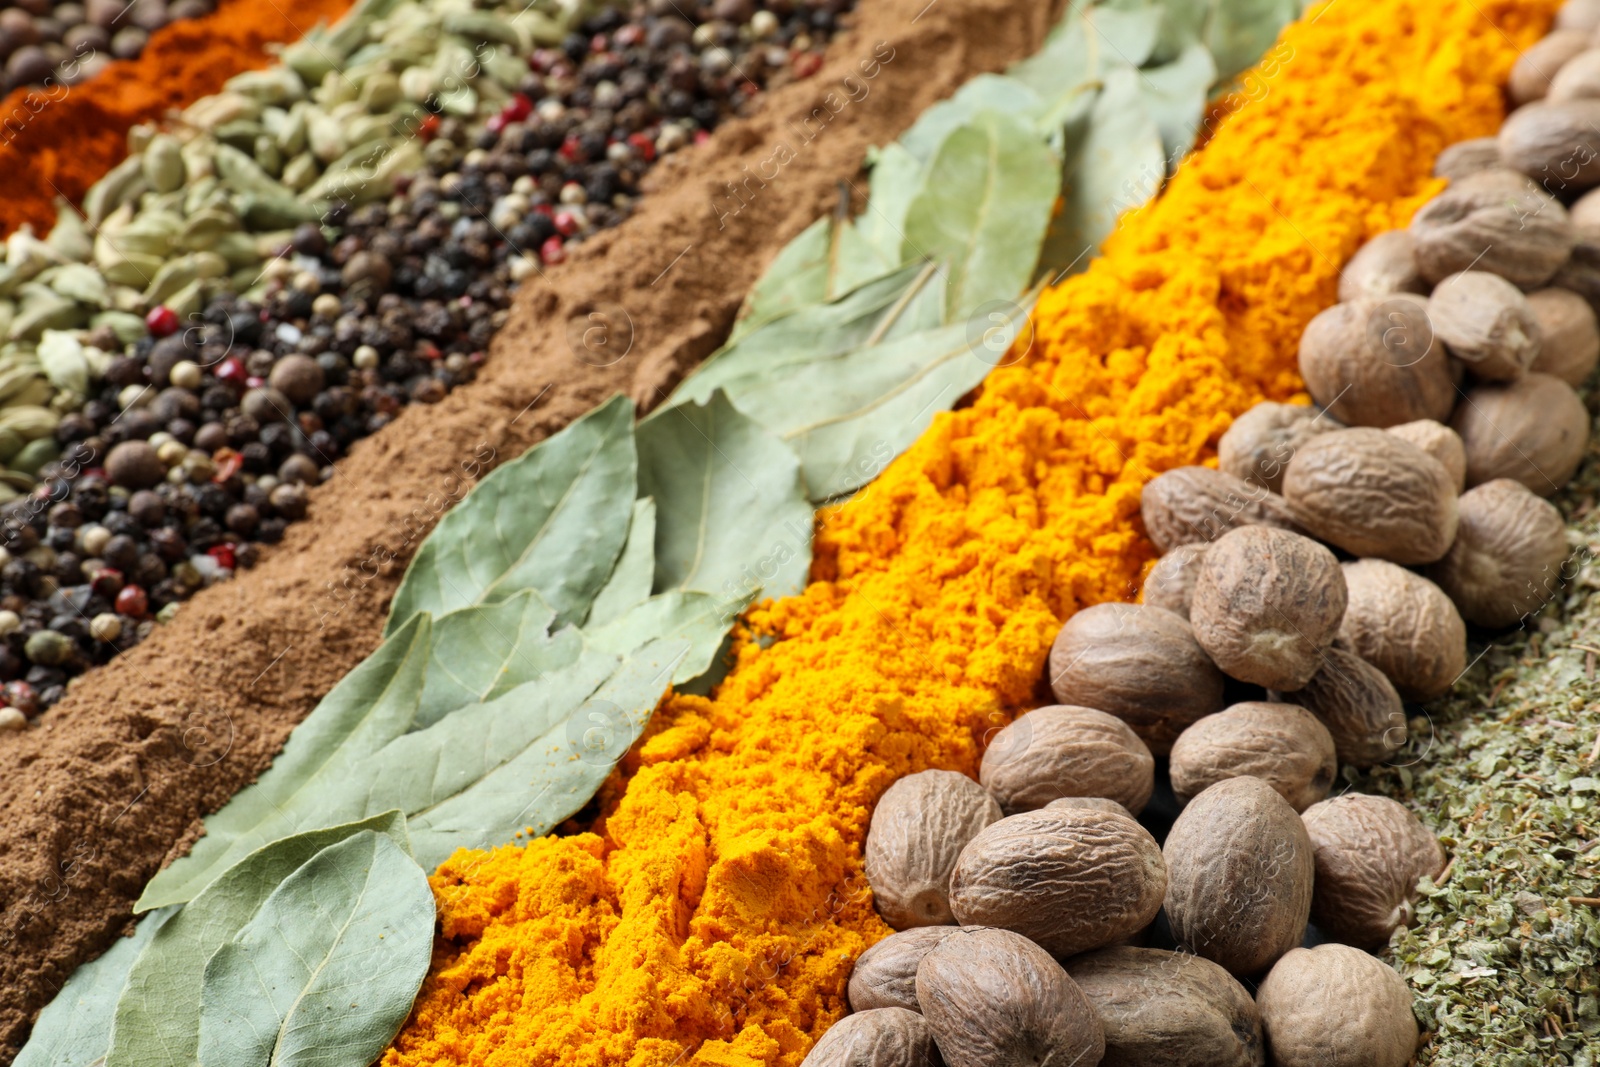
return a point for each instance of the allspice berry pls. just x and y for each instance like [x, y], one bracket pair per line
[1532, 72]
[885, 976]
[1068, 879]
[1139, 663]
[1507, 558]
[1405, 626]
[919, 828]
[1533, 430]
[1197, 504]
[879, 1037]
[992, 997]
[1374, 362]
[1466, 157]
[1063, 750]
[1357, 704]
[1370, 852]
[1169, 1009]
[1486, 222]
[1258, 446]
[1440, 442]
[1170, 583]
[1373, 494]
[1266, 604]
[1282, 744]
[1558, 145]
[1239, 871]
[1486, 323]
[135, 465]
[1569, 344]
[297, 377]
[1336, 1004]
[1382, 267]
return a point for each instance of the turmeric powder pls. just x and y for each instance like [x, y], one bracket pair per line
[712, 913]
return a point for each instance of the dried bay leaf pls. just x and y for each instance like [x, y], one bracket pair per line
[1175, 97]
[1239, 31]
[986, 92]
[325, 972]
[373, 704]
[700, 619]
[798, 276]
[553, 520]
[896, 175]
[630, 581]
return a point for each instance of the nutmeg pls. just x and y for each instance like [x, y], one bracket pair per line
[880, 1037]
[1373, 494]
[1558, 146]
[1239, 870]
[1440, 442]
[1282, 744]
[918, 829]
[1467, 157]
[1260, 443]
[1578, 15]
[1569, 345]
[1405, 626]
[1579, 77]
[1266, 604]
[885, 976]
[1069, 879]
[1357, 704]
[1534, 68]
[1585, 216]
[1139, 663]
[993, 997]
[1190, 504]
[1170, 583]
[1507, 558]
[1384, 266]
[1064, 750]
[1533, 430]
[1486, 323]
[1375, 362]
[1336, 1004]
[1488, 222]
[1092, 803]
[1370, 851]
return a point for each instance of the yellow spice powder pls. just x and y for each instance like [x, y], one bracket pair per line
[713, 913]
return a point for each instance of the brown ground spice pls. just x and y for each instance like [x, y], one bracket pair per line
[116, 778]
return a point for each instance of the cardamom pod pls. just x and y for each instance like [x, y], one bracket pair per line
[29, 422]
[275, 85]
[128, 327]
[34, 454]
[483, 26]
[209, 112]
[36, 317]
[292, 135]
[11, 443]
[325, 137]
[133, 269]
[81, 282]
[206, 227]
[190, 300]
[382, 91]
[277, 212]
[163, 163]
[239, 249]
[120, 184]
[173, 275]
[36, 393]
[301, 171]
[68, 237]
[268, 156]
[244, 175]
[12, 381]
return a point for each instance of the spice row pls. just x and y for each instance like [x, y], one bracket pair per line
[64, 43]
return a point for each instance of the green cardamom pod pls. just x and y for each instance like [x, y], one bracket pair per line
[163, 163]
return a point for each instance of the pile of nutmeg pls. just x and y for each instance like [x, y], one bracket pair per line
[1322, 575]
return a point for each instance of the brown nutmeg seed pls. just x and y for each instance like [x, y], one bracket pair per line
[1486, 323]
[994, 997]
[1258, 446]
[1266, 604]
[1373, 362]
[1139, 663]
[1063, 750]
[1507, 559]
[1384, 266]
[1405, 626]
[1282, 744]
[1370, 851]
[1373, 494]
[919, 828]
[1558, 146]
[1569, 344]
[1239, 870]
[1533, 70]
[885, 976]
[1170, 583]
[1440, 442]
[1579, 77]
[1169, 1009]
[1336, 1004]
[880, 1037]
[1489, 223]
[1197, 504]
[1358, 706]
[1466, 157]
[1092, 803]
[1533, 430]
[1579, 15]
[1068, 879]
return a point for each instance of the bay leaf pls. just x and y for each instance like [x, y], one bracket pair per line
[74, 1029]
[635, 572]
[1127, 33]
[894, 179]
[700, 619]
[732, 515]
[854, 260]
[1066, 62]
[553, 520]
[1182, 24]
[1175, 97]
[157, 1020]
[983, 210]
[324, 974]
[557, 774]
[375, 703]
[796, 277]
[985, 92]
[1239, 31]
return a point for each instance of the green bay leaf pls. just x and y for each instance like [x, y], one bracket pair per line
[477, 653]
[985, 92]
[635, 571]
[700, 619]
[553, 520]
[796, 277]
[324, 974]
[896, 176]
[1175, 97]
[1239, 31]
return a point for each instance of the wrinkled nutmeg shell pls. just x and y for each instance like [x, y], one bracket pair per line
[1558, 146]
[918, 829]
[1533, 430]
[1169, 1009]
[1569, 344]
[1092, 803]
[880, 1037]
[1239, 871]
[1170, 583]
[1068, 879]
[1440, 442]
[1064, 750]
[1405, 626]
[1282, 744]
[1384, 266]
[1531, 73]
[885, 976]
[1486, 323]
[1507, 558]
[1139, 663]
[1195, 504]
[1258, 446]
[1485, 222]
[1336, 1004]
[1577, 79]
[992, 997]
[1370, 851]
[1358, 706]
[1375, 362]
[1466, 157]
[1267, 603]
[1373, 494]
[1578, 15]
